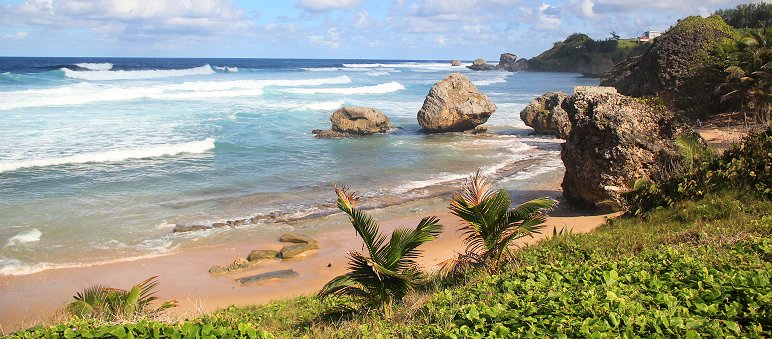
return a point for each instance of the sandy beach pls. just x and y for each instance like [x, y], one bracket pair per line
[35, 298]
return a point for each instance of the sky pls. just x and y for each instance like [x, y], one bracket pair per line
[325, 29]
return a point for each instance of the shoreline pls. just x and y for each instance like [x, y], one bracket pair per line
[184, 275]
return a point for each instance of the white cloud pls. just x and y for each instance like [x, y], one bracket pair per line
[15, 36]
[327, 5]
[442, 40]
[548, 18]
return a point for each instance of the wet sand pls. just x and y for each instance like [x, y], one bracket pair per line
[34, 299]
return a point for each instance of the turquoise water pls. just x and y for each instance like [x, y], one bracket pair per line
[100, 158]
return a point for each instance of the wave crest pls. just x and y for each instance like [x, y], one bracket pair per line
[388, 87]
[193, 147]
[105, 75]
[95, 66]
[25, 237]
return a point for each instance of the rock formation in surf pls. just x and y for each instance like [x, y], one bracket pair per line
[545, 115]
[453, 105]
[355, 121]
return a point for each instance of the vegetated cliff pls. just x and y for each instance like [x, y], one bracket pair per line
[678, 67]
[581, 54]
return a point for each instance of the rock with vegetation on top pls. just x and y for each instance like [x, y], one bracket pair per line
[355, 121]
[455, 62]
[454, 105]
[280, 274]
[257, 255]
[296, 238]
[677, 68]
[614, 140]
[293, 249]
[481, 65]
[508, 62]
[237, 265]
[546, 116]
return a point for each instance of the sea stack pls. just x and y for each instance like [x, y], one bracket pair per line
[454, 105]
[355, 121]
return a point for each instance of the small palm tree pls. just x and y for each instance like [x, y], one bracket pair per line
[490, 225]
[109, 304]
[389, 270]
[749, 78]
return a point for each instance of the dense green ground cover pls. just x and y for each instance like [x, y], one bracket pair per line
[696, 268]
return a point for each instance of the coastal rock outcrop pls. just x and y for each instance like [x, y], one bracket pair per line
[293, 249]
[257, 255]
[481, 65]
[355, 121]
[455, 62]
[614, 139]
[677, 67]
[453, 105]
[280, 274]
[522, 64]
[546, 116]
[508, 62]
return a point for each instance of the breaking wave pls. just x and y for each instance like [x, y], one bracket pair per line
[388, 87]
[154, 151]
[104, 75]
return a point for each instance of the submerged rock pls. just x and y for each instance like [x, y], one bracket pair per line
[256, 255]
[546, 116]
[296, 238]
[280, 274]
[190, 228]
[237, 265]
[481, 65]
[355, 121]
[454, 105]
[614, 140]
[292, 250]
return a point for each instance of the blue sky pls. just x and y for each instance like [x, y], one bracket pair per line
[371, 29]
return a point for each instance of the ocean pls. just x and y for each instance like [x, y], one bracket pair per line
[101, 157]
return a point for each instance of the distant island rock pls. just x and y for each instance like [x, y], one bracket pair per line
[546, 116]
[677, 67]
[355, 121]
[507, 62]
[454, 105]
[614, 139]
[481, 65]
[455, 62]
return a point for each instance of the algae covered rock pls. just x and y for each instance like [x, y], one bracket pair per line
[296, 238]
[256, 255]
[293, 249]
[280, 274]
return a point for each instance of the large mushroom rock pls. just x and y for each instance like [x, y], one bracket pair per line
[677, 68]
[508, 62]
[614, 140]
[356, 121]
[453, 105]
[545, 115]
[481, 65]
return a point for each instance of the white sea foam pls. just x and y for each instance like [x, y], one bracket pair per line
[17, 267]
[113, 155]
[324, 106]
[102, 66]
[136, 75]
[25, 237]
[84, 93]
[388, 87]
[411, 65]
[227, 69]
[486, 82]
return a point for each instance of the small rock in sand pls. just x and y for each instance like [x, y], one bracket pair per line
[280, 274]
[291, 250]
[256, 255]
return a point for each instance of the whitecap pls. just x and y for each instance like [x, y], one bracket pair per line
[153, 151]
[32, 235]
[135, 75]
[92, 66]
[323, 106]
[388, 87]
